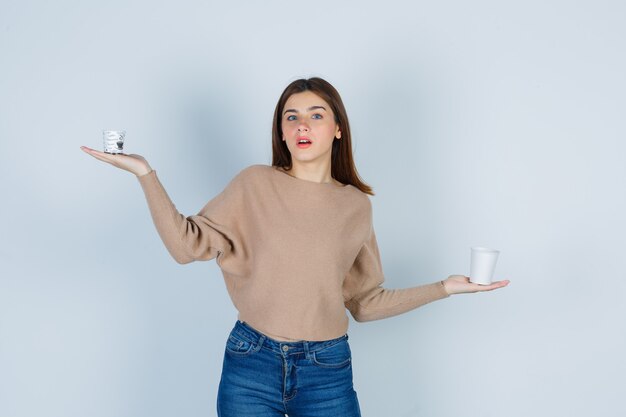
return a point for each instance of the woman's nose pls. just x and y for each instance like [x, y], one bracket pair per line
[303, 127]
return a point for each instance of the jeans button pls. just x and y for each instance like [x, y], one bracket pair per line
[285, 348]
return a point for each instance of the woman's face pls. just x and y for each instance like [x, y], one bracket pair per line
[307, 116]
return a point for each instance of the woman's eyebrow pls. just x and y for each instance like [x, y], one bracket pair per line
[309, 109]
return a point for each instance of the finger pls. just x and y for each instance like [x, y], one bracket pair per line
[100, 155]
[90, 151]
[494, 285]
[105, 157]
[106, 154]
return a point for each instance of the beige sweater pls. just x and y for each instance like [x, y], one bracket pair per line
[294, 253]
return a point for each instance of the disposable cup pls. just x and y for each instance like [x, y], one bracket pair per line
[113, 141]
[482, 265]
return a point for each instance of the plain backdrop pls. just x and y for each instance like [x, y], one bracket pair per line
[483, 123]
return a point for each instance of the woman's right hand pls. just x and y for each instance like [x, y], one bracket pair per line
[459, 284]
[136, 164]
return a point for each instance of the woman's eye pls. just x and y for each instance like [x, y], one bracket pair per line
[316, 114]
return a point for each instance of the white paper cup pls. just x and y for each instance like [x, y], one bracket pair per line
[482, 265]
[113, 141]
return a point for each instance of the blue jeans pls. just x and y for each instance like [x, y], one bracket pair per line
[265, 377]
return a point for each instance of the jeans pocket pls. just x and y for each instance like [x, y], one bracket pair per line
[238, 345]
[333, 356]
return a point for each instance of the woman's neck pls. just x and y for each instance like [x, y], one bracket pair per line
[313, 172]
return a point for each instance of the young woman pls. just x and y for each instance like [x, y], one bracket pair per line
[296, 246]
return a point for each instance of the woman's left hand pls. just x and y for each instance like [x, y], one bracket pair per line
[459, 284]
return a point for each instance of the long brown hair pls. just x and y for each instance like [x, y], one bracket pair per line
[342, 163]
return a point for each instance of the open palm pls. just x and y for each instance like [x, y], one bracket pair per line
[134, 163]
[458, 284]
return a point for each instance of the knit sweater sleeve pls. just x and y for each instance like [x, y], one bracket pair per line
[203, 236]
[365, 297]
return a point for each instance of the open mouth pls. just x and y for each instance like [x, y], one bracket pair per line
[303, 143]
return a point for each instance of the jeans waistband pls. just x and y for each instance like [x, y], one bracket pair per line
[252, 335]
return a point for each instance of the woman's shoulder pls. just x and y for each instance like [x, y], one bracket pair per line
[251, 175]
[254, 171]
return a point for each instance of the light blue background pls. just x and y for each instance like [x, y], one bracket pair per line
[485, 123]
